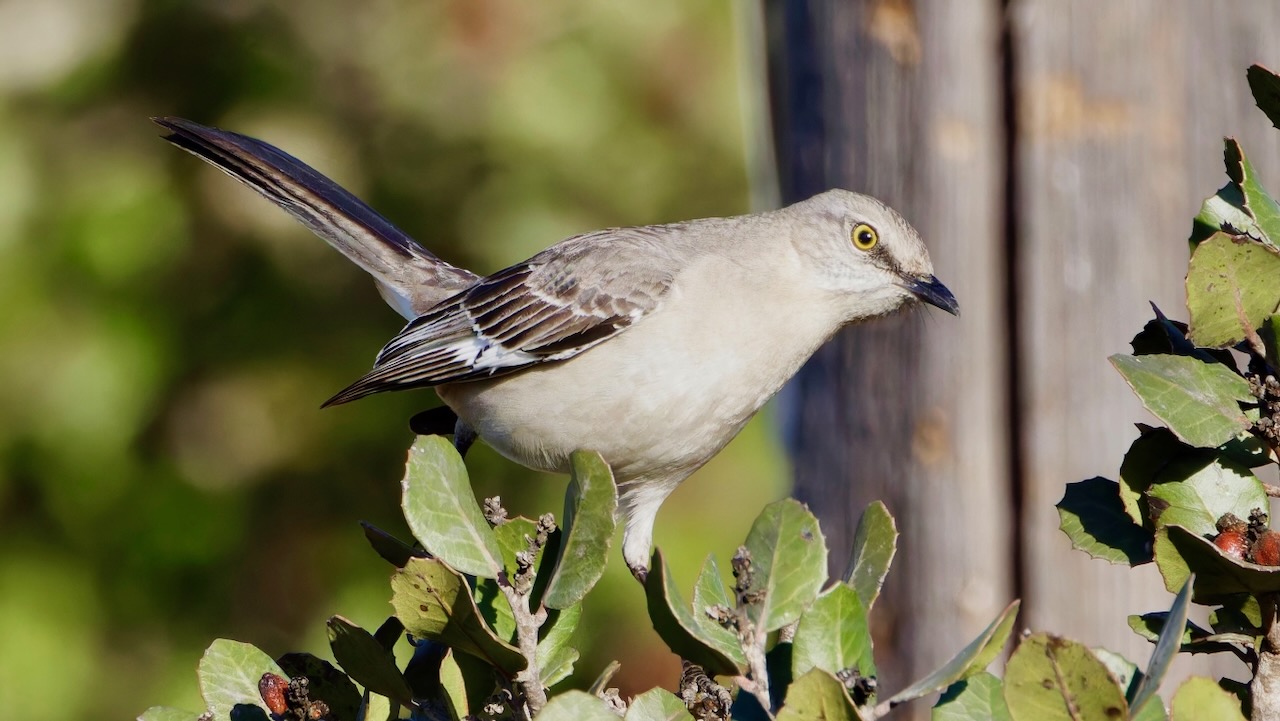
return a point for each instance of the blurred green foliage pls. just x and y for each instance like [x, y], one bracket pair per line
[166, 476]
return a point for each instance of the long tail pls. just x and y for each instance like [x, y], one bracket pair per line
[409, 277]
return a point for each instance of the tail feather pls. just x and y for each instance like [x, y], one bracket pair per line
[409, 277]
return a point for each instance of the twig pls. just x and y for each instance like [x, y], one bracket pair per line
[761, 693]
[529, 622]
[1272, 491]
[1265, 687]
[750, 636]
[787, 633]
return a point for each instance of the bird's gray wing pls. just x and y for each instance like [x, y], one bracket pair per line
[410, 278]
[552, 307]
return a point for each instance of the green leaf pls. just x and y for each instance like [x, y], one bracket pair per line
[166, 713]
[229, 673]
[675, 624]
[1093, 517]
[442, 511]
[1148, 456]
[1241, 691]
[480, 679]
[1200, 698]
[833, 635]
[1223, 211]
[576, 706]
[513, 537]
[1218, 576]
[453, 684]
[389, 633]
[326, 683]
[434, 602]
[1242, 206]
[1152, 710]
[1257, 202]
[1231, 288]
[1127, 678]
[977, 698]
[555, 656]
[1123, 671]
[657, 705]
[377, 708]
[818, 696]
[367, 661]
[391, 549]
[1053, 679]
[495, 609]
[874, 543]
[709, 592]
[1166, 648]
[590, 505]
[1198, 401]
[1238, 614]
[1162, 336]
[1246, 450]
[788, 561]
[601, 683]
[973, 659]
[1270, 335]
[1266, 92]
[1208, 492]
[1194, 638]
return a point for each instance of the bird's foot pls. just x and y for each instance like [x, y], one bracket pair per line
[640, 572]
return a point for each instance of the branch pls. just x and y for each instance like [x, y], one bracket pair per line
[516, 589]
[750, 637]
[1266, 676]
[527, 625]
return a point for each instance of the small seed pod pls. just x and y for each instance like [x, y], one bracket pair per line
[1230, 521]
[1266, 550]
[272, 688]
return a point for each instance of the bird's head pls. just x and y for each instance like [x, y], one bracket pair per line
[868, 255]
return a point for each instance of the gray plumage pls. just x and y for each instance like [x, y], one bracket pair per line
[651, 345]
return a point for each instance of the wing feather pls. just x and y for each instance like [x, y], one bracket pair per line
[552, 307]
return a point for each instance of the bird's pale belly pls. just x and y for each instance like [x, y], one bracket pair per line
[662, 419]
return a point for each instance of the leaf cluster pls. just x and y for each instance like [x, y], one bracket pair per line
[1212, 383]
[489, 606]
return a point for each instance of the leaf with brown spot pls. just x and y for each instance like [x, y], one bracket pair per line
[1053, 679]
[1231, 289]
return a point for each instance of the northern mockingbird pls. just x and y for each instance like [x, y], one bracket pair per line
[652, 345]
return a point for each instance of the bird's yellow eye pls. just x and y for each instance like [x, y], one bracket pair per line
[864, 237]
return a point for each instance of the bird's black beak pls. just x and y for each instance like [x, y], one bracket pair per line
[931, 290]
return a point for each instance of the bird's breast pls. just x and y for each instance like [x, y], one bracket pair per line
[657, 400]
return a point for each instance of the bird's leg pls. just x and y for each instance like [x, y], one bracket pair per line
[463, 436]
[640, 573]
[638, 503]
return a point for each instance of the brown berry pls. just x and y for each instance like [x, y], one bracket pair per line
[272, 688]
[1232, 542]
[1266, 550]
